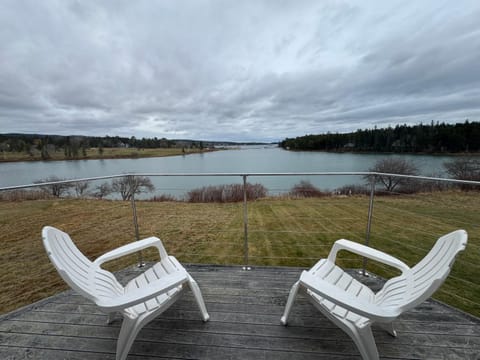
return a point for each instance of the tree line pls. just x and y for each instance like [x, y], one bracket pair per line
[422, 138]
[75, 146]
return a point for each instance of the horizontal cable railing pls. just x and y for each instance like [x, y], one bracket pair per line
[284, 230]
[248, 174]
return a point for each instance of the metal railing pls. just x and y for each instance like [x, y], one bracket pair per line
[244, 177]
[376, 213]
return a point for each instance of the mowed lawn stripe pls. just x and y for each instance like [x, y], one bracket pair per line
[292, 232]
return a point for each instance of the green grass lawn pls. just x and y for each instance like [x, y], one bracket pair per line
[282, 232]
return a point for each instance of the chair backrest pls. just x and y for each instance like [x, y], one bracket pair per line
[417, 285]
[76, 269]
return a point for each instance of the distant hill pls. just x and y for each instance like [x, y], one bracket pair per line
[433, 138]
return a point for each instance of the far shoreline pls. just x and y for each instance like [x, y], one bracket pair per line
[386, 152]
[109, 154]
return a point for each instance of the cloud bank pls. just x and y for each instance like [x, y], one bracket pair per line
[235, 70]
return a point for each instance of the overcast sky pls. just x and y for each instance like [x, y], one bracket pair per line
[235, 70]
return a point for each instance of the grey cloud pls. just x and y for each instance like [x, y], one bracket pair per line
[250, 70]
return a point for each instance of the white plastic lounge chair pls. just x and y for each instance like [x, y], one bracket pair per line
[354, 307]
[140, 301]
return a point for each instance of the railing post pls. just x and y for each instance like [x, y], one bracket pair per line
[245, 225]
[369, 222]
[131, 183]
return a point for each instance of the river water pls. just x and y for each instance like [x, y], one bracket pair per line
[244, 160]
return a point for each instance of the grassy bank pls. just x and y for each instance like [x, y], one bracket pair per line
[94, 153]
[281, 232]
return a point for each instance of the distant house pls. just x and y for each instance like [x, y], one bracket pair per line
[349, 146]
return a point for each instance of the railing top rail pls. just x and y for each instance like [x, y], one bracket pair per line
[251, 174]
[419, 177]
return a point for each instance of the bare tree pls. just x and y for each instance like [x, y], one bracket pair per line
[56, 190]
[80, 188]
[102, 190]
[464, 169]
[129, 185]
[393, 166]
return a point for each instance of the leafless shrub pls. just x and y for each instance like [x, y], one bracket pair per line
[81, 188]
[56, 189]
[427, 186]
[464, 169]
[163, 198]
[129, 185]
[22, 195]
[306, 189]
[102, 190]
[353, 190]
[255, 191]
[226, 193]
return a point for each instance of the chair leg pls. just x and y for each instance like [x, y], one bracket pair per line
[111, 317]
[389, 328]
[288, 306]
[199, 298]
[362, 337]
[365, 342]
[128, 332]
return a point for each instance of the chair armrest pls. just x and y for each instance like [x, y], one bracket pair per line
[368, 252]
[345, 300]
[131, 248]
[140, 295]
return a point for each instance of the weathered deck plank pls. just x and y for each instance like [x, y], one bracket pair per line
[245, 309]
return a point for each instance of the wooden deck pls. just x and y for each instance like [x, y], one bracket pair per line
[245, 309]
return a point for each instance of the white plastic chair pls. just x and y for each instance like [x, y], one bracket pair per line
[140, 301]
[354, 307]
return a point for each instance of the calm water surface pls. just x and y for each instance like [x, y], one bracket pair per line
[245, 160]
